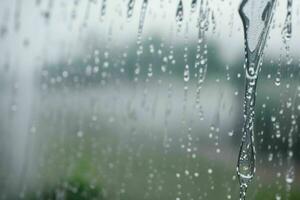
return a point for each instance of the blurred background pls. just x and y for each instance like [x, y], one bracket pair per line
[98, 104]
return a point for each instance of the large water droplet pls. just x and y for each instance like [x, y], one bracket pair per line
[256, 17]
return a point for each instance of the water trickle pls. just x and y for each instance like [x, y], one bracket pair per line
[213, 22]
[130, 7]
[179, 13]
[139, 38]
[278, 78]
[86, 14]
[287, 32]
[289, 178]
[142, 20]
[150, 70]
[186, 74]
[103, 8]
[290, 173]
[287, 28]
[186, 48]
[201, 53]
[194, 5]
[256, 17]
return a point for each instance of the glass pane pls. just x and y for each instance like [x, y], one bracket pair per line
[144, 99]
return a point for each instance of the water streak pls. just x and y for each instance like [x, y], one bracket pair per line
[130, 7]
[179, 13]
[290, 173]
[139, 38]
[103, 8]
[142, 20]
[287, 31]
[194, 5]
[201, 52]
[256, 17]
[287, 28]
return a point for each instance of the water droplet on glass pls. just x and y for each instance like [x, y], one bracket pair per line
[194, 5]
[179, 13]
[139, 38]
[289, 178]
[278, 78]
[210, 171]
[256, 17]
[130, 7]
[278, 197]
[103, 8]
[287, 27]
[186, 75]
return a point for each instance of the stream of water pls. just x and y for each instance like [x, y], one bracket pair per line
[256, 17]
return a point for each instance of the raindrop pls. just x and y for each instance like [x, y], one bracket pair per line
[150, 71]
[278, 78]
[79, 134]
[163, 68]
[210, 171]
[278, 197]
[186, 75]
[289, 178]
[65, 74]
